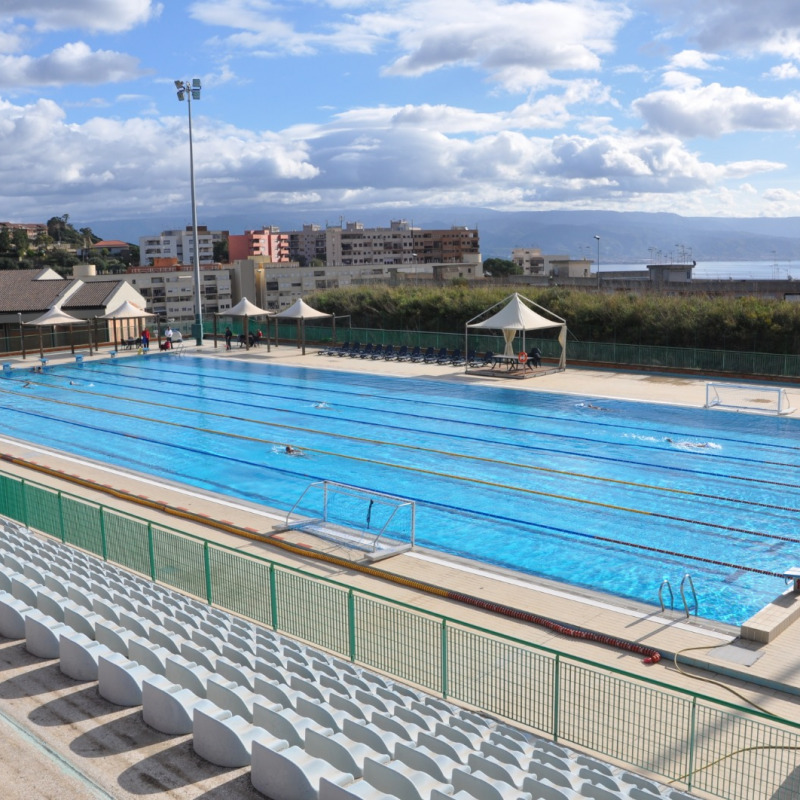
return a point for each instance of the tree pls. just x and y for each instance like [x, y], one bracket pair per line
[498, 267]
[221, 251]
[21, 242]
[5, 241]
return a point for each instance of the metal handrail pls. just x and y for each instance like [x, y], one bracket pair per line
[661, 595]
[688, 577]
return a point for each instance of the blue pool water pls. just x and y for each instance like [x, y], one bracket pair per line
[614, 497]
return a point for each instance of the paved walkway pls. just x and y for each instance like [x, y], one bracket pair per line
[767, 675]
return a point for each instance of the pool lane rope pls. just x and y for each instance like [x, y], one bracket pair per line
[417, 448]
[651, 655]
[491, 484]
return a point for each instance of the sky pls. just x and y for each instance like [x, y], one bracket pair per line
[326, 106]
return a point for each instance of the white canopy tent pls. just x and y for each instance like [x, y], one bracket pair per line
[125, 311]
[300, 311]
[53, 317]
[244, 308]
[515, 314]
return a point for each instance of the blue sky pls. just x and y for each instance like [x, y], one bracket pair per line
[324, 106]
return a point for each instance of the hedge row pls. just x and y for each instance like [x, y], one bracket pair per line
[725, 323]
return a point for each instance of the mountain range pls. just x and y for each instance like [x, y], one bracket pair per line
[633, 237]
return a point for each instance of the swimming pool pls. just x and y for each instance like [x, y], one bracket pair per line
[608, 495]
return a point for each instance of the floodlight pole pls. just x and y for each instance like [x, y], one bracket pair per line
[598, 260]
[192, 91]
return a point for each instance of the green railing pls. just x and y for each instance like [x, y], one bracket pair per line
[693, 740]
[631, 356]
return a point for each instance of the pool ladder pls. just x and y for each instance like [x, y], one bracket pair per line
[686, 582]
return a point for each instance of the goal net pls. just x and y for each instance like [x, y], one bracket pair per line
[753, 399]
[374, 522]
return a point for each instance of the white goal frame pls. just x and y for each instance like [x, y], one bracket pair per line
[377, 524]
[748, 398]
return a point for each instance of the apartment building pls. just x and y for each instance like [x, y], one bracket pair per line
[278, 286]
[267, 243]
[309, 245]
[168, 289]
[179, 245]
[534, 262]
[353, 244]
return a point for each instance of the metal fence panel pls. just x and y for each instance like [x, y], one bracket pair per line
[179, 562]
[312, 610]
[631, 722]
[82, 524]
[12, 498]
[241, 585]
[501, 677]
[398, 641]
[44, 513]
[743, 757]
[127, 542]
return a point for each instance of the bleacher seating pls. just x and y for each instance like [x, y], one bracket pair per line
[309, 724]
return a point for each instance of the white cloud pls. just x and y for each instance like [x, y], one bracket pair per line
[74, 63]
[784, 72]
[693, 59]
[735, 25]
[110, 16]
[361, 157]
[519, 45]
[715, 110]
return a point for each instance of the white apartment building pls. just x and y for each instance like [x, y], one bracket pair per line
[356, 245]
[277, 286]
[534, 262]
[179, 244]
[169, 292]
[400, 244]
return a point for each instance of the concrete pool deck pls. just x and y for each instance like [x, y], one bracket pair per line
[767, 674]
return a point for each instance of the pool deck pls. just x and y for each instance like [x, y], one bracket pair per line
[765, 673]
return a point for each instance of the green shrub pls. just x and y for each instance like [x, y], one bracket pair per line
[694, 320]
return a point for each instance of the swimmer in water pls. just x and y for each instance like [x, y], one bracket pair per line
[292, 451]
[321, 405]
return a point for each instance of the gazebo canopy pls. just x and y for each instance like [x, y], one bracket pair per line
[55, 316]
[126, 310]
[516, 314]
[302, 310]
[244, 308]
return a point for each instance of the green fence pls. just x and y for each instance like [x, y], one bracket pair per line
[630, 356]
[686, 738]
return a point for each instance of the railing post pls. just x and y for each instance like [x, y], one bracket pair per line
[151, 551]
[207, 567]
[61, 516]
[692, 742]
[556, 694]
[103, 544]
[351, 624]
[444, 659]
[25, 503]
[273, 596]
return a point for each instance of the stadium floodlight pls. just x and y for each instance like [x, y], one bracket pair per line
[191, 92]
